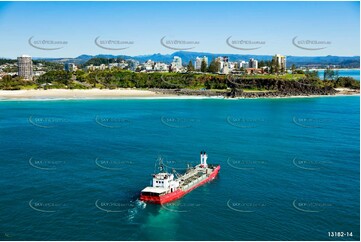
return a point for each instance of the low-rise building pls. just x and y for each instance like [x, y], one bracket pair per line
[148, 65]
[162, 67]
[254, 71]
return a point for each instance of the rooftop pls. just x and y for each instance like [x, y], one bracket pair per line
[154, 189]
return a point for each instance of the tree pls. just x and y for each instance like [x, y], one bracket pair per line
[293, 68]
[330, 74]
[347, 82]
[261, 64]
[204, 66]
[311, 74]
[190, 66]
[336, 75]
[274, 66]
[214, 66]
[62, 77]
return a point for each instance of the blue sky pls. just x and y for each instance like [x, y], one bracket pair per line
[209, 23]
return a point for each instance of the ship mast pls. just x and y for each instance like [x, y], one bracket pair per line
[159, 166]
[176, 173]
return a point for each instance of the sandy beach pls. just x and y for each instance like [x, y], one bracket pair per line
[347, 91]
[77, 94]
[56, 94]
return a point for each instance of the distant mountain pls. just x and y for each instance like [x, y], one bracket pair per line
[351, 61]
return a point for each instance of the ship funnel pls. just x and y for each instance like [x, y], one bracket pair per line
[204, 159]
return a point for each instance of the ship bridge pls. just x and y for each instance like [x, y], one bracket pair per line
[166, 181]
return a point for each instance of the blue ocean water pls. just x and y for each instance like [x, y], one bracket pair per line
[354, 73]
[72, 170]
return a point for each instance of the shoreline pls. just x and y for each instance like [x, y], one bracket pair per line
[119, 94]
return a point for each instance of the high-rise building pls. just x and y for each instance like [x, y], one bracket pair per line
[70, 67]
[223, 61]
[198, 62]
[243, 64]
[253, 63]
[25, 67]
[280, 61]
[177, 62]
[133, 64]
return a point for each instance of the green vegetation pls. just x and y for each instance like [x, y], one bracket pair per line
[190, 66]
[264, 63]
[15, 83]
[347, 82]
[287, 76]
[48, 66]
[293, 68]
[203, 66]
[55, 78]
[10, 69]
[214, 66]
[330, 74]
[7, 61]
[311, 74]
[96, 61]
[117, 78]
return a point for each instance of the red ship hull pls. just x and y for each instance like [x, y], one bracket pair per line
[170, 197]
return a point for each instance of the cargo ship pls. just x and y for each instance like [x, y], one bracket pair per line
[167, 187]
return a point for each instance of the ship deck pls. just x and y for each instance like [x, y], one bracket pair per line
[194, 176]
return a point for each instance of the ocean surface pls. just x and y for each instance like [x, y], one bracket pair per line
[354, 73]
[73, 169]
